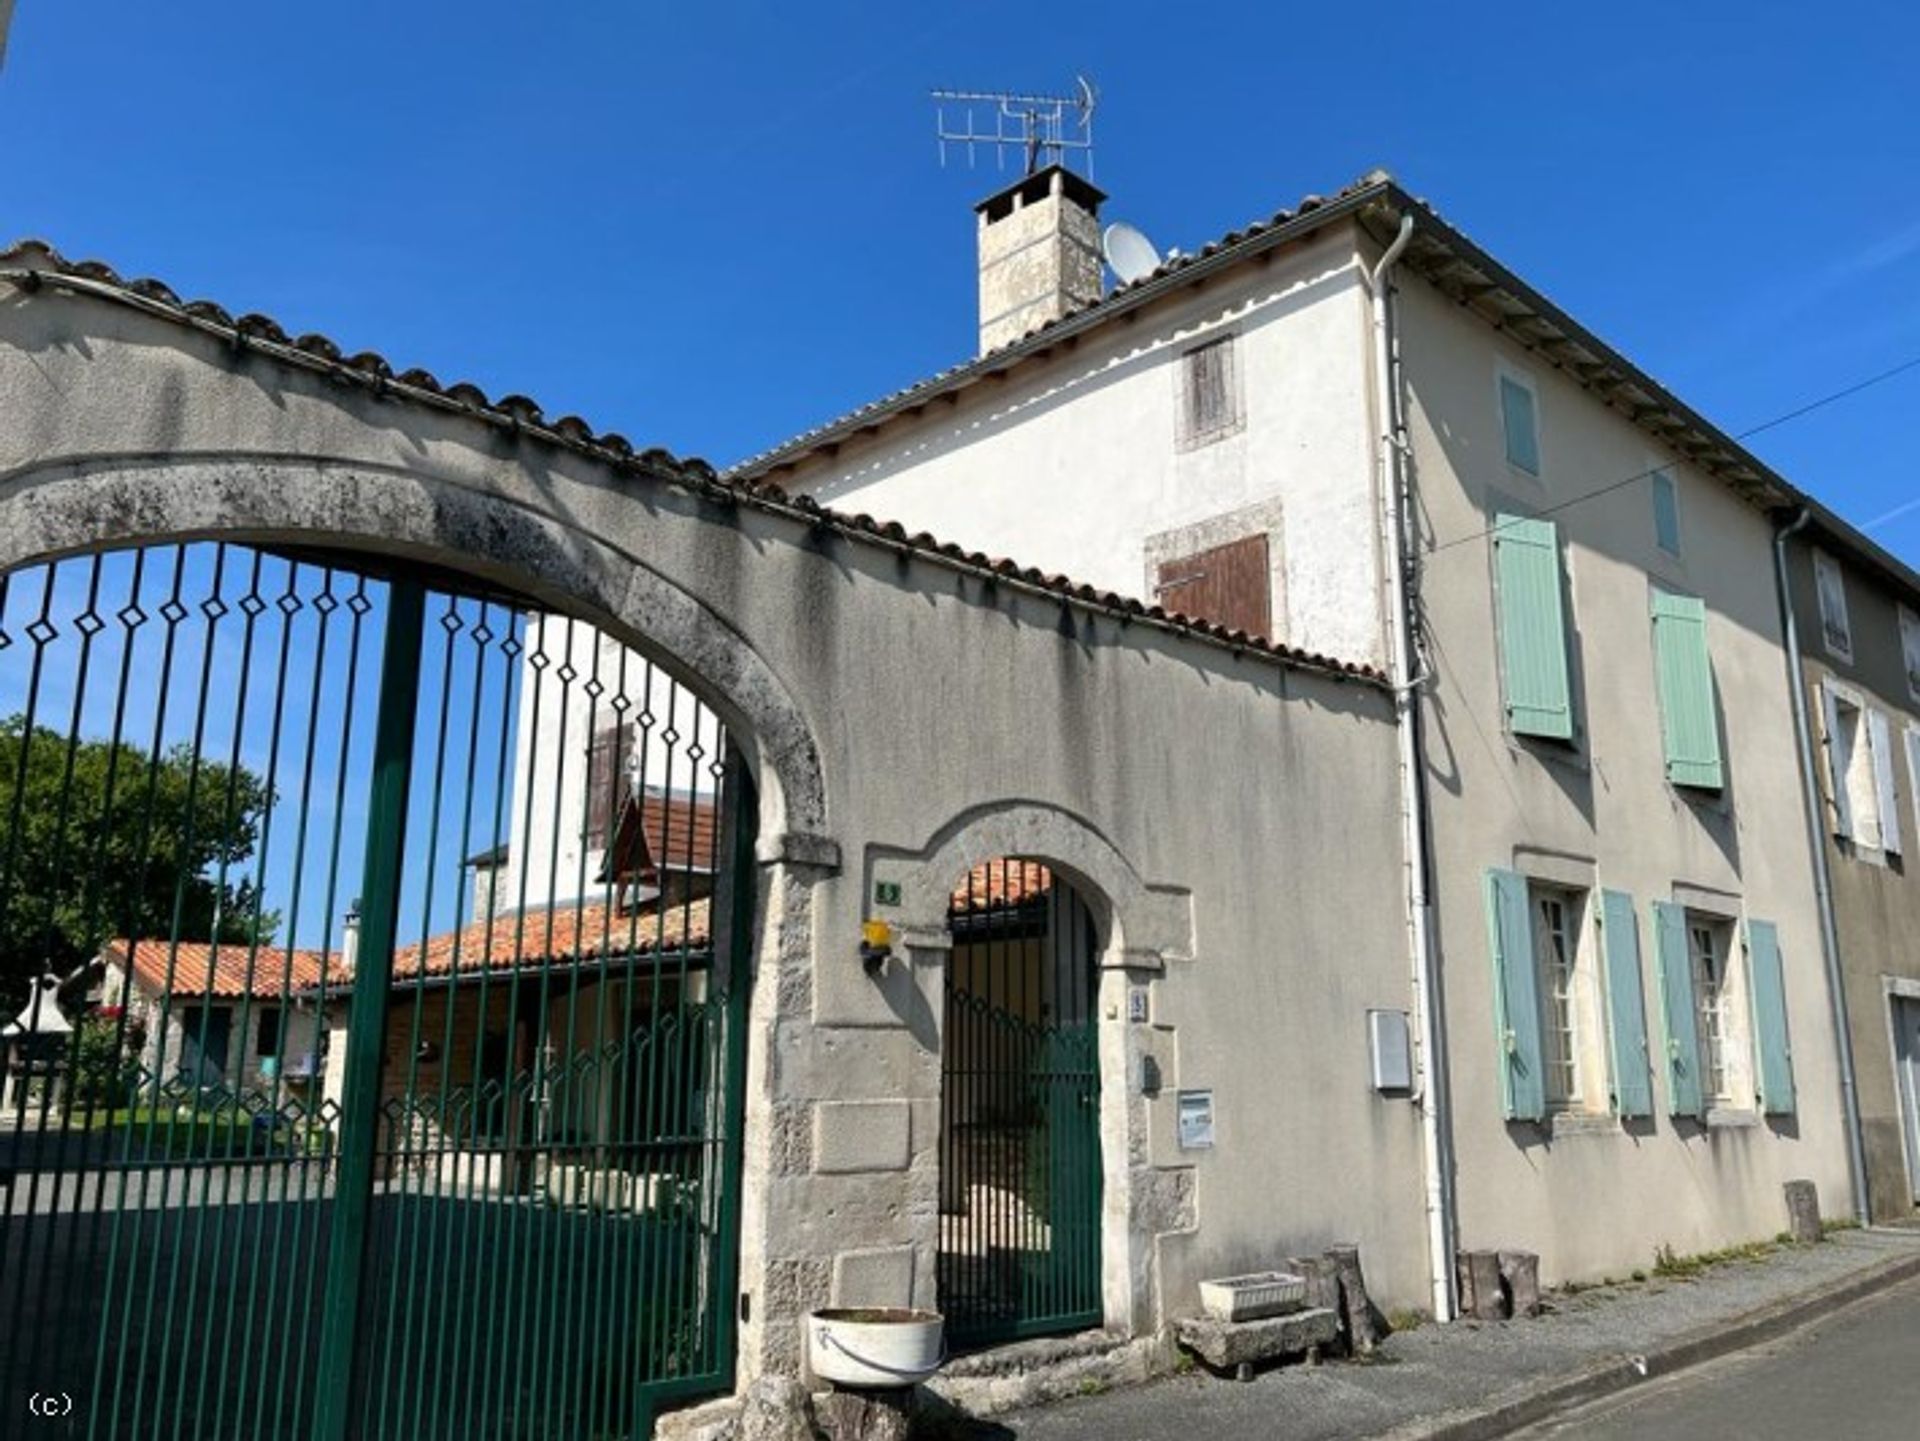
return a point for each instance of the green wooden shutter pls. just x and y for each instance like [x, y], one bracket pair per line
[1768, 986]
[1516, 997]
[1682, 1031]
[1688, 716]
[1533, 627]
[1626, 1006]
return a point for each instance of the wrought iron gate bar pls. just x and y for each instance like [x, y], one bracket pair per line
[1020, 1187]
[509, 1211]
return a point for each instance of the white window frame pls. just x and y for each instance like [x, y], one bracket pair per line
[1504, 374]
[1555, 916]
[1721, 1010]
[1910, 649]
[1572, 1015]
[1830, 595]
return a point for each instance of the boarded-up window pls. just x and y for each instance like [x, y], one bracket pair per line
[606, 780]
[1229, 585]
[1209, 396]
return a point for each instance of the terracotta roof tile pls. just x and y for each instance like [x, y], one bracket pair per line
[225, 972]
[567, 932]
[998, 884]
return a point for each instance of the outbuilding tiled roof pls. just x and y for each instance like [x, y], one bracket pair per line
[572, 931]
[224, 972]
[33, 264]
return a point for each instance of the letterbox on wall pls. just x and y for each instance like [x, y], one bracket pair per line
[1390, 1050]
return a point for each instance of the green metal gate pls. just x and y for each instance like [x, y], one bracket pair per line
[371, 962]
[1020, 1180]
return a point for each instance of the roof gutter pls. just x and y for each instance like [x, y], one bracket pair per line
[1822, 875]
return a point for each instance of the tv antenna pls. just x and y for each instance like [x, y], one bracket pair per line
[1039, 129]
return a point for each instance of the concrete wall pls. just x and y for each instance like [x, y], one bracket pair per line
[1876, 896]
[905, 718]
[1075, 464]
[1593, 1195]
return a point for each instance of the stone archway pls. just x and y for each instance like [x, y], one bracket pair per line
[1140, 929]
[69, 506]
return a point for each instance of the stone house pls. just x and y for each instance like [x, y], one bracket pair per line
[227, 1018]
[1854, 612]
[1348, 428]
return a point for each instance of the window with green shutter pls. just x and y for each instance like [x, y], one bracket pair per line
[1533, 627]
[1689, 715]
[1769, 985]
[1678, 1016]
[1626, 1007]
[1516, 997]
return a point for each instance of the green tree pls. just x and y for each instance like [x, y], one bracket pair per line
[99, 841]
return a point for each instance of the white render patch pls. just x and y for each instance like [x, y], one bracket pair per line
[853, 1136]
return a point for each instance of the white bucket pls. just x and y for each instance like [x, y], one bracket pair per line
[874, 1346]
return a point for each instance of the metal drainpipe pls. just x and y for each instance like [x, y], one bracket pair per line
[1436, 1141]
[1822, 876]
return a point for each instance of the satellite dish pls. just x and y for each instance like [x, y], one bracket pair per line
[1129, 253]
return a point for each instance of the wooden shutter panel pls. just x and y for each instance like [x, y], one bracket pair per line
[1626, 1006]
[1881, 739]
[1835, 739]
[1229, 585]
[1678, 1021]
[1767, 984]
[1516, 997]
[1533, 627]
[1689, 718]
[1913, 768]
[606, 775]
[1211, 398]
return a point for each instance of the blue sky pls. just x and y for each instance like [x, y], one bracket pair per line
[712, 226]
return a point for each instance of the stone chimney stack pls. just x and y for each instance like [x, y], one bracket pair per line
[350, 938]
[1039, 253]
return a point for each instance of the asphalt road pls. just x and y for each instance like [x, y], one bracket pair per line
[1853, 1374]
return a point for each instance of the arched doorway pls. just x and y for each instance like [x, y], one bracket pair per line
[394, 923]
[1020, 1184]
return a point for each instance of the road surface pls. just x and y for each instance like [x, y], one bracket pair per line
[1854, 1374]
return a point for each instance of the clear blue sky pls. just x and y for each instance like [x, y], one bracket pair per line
[711, 226]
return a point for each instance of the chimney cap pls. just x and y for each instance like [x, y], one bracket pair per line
[1037, 186]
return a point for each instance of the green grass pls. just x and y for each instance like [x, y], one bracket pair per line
[186, 1133]
[1671, 1266]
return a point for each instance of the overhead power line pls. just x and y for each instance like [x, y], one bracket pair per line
[1653, 470]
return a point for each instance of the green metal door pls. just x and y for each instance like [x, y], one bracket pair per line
[1020, 1159]
[368, 960]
